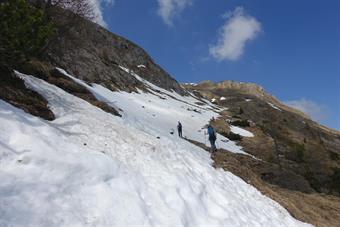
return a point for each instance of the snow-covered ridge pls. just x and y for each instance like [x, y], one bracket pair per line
[89, 168]
[191, 84]
[275, 107]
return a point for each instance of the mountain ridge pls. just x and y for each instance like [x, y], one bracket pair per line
[248, 88]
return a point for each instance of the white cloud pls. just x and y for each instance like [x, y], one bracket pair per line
[98, 10]
[316, 111]
[91, 9]
[234, 34]
[167, 9]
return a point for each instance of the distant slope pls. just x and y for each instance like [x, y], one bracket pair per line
[213, 90]
[283, 136]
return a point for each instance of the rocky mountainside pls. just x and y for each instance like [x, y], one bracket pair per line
[94, 54]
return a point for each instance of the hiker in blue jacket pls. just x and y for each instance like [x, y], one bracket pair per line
[212, 138]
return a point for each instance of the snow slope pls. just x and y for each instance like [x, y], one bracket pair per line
[89, 168]
[158, 112]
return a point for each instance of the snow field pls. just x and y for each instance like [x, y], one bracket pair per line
[123, 176]
[241, 131]
[158, 113]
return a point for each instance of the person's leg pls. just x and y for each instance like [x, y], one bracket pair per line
[212, 144]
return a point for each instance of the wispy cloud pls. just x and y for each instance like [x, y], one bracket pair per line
[238, 29]
[168, 9]
[317, 112]
[97, 7]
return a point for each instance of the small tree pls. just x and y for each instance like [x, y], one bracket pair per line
[24, 31]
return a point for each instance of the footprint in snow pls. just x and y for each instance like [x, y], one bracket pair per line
[24, 160]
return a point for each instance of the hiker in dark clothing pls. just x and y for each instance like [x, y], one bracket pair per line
[179, 128]
[212, 138]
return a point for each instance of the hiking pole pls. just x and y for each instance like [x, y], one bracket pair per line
[205, 139]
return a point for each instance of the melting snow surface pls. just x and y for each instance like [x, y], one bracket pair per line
[241, 131]
[158, 113]
[90, 168]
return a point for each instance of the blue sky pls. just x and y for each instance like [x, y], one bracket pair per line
[291, 48]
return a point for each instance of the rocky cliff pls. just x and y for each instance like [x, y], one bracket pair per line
[94, 54]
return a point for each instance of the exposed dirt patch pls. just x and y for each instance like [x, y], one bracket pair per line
[14, 91]
[318, 209]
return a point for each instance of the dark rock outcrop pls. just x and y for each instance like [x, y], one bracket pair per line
[14, 91]
[91, 53]
[53, 76]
